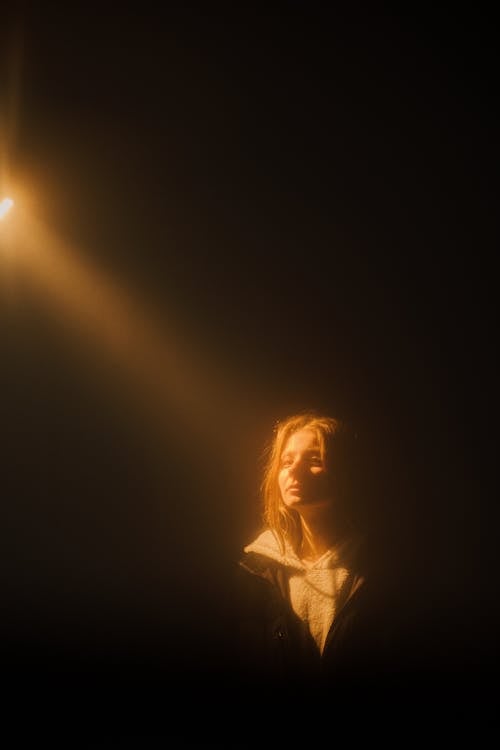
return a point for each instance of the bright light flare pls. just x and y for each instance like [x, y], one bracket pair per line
[5, 207]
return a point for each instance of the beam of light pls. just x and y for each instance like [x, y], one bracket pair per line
[166, 374]
[5, 206]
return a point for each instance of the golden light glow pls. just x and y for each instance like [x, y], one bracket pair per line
[156, 358]
[5, 206]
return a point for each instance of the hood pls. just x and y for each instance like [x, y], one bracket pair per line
[266, 545]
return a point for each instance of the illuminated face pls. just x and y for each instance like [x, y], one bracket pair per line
[302, 477]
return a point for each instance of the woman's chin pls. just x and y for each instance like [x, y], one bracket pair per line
[298, 502]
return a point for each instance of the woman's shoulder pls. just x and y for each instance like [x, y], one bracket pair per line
[254, 571]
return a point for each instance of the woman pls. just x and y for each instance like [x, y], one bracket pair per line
[304, 600]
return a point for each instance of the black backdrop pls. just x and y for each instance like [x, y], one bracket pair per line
[307, 200]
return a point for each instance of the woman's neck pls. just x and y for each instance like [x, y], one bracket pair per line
[318, 536]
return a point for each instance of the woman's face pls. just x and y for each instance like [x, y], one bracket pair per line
[303, 478]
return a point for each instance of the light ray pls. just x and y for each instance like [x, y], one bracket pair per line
[168, 376]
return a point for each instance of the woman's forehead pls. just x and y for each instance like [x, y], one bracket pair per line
[303, 439]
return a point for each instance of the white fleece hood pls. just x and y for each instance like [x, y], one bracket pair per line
[317, 590]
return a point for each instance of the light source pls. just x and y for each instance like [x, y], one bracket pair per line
[5, 206]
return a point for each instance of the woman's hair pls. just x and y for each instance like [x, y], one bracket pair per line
[284, 521]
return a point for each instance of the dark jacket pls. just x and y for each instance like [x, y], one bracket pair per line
[274, 647]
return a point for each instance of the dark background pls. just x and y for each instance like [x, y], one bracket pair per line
[307, 199]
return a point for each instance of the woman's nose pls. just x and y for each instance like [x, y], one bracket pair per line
[296, 467]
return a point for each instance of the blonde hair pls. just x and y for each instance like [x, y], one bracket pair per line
[284, 521]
